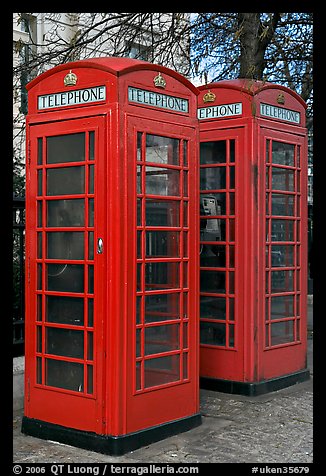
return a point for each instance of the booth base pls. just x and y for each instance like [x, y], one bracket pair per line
[253, 389]
[112, 445]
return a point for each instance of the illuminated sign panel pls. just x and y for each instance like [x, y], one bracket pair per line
[280, 113]
[223, 110]
[163, 101]
[72, 98]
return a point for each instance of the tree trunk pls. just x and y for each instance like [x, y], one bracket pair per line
[254, 39]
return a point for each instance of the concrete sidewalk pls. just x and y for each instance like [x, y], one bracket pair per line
[273, 428]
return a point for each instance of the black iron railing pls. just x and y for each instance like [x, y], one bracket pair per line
[18, 275]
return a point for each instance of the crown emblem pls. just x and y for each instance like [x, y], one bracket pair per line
[70, 79]
[209, 96]
[280, 98]
[159, 81]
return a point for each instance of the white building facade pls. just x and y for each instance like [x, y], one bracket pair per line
[44, 40]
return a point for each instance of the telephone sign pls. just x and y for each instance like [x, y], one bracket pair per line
[72, 98]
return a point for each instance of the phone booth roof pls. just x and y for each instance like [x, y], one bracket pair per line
[114, 65]
[53, 90]
[258, 98]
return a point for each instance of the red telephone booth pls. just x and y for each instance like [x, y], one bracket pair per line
[253, 246]
[112, 255]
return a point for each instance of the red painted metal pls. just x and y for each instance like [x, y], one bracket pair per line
[122, 389]
[269, 320]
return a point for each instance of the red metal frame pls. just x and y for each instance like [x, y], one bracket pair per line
[118, 404]
[255, 360]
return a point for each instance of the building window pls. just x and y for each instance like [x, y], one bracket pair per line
[138, 51]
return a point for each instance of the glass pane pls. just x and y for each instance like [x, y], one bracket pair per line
[282, 255]
[231, 256]
[65, 245]
[65, 277]
[90, 346]
[39, 339]
[138, 375]
[139, 144]
[39, 151]
[282, 281]
[66, 342]
[90, 384]
[185, 183]
[231, 309]
[39, 308]
[139, 277]
[232, 177]
[282, 205]
[162, 275]
[185, 335]
[232, 150]
[212, 281]
[161, 307]
[282, 179]
[232, 203]
[91, 279]
[139, 179]
[231, 230]
[90, 312]
[67, 375]
[65, 181]
[162, 370]
[185, 153]
[161, 339]
[61, 213]
[138, 309]
[163, 150]
[185, 366]
[162, 243]
[212, 178]
[65, 310]
[213, 152]
[139, 212]
[162, 213]
[39, 182]
[66, 148]
[91, 179]
[282, 332]
[282, 153]
[282, 230]
[39, 213]
[231, 282]
[160, 181]
[39, 276]
[213, 256]
[91, 145]
[39, 245]
[91, 212]
[38, 370]
[213, 307]
[90, 245]
[282, 307]
[231, 335]
[139, 247]
[212, 333]
[138, 342]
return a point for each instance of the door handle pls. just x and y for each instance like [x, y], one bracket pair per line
[99, 249]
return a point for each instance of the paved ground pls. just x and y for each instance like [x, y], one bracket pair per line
[272, 428]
